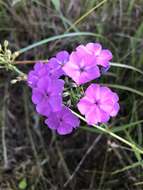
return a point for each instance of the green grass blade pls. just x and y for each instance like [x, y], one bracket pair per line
[121, 87]
[91, 129]
[123, 127]
[86, 14]
[134, 165]
[126, 67]
[50, 39]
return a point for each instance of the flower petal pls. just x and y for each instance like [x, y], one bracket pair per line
[93, 92]
[95, 48]
[55, 103]
[44, 83]
[104, 116]
[37, 96]
[104, 58]
[93, 116]
[115, 110]
[64, 129]
[39, 65]
[71, 119]
[52, 121]
[56, 87]
[43, 108]
[63, 56]
[84, 105]
[107, 106]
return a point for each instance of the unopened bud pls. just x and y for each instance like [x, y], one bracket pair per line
[13, 81]
[15, 54]
[6, 43]
[8, 52]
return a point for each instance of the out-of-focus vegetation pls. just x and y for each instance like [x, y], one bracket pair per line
[31, 156]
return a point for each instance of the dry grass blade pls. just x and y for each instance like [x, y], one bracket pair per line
[82, 160]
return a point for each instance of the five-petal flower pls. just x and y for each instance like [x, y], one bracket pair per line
[47, 95]
[98, 104]
[63, 121]
[81, 68]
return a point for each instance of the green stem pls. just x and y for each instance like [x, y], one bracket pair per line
[16, 70]
[107, 131]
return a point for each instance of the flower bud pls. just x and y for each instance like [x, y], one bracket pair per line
[15, 54]
[8, 53]
[6, 43]
[13, 81]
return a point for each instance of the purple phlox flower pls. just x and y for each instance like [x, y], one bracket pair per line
[81, 67]
[47, 95]
[63, 121]
[101, 56]
[38, 72]
[98, 104]
[55, 64]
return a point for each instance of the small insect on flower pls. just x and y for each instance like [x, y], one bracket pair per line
[98, 104]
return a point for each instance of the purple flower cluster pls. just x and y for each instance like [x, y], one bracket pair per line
[83, 65]
[47, 91]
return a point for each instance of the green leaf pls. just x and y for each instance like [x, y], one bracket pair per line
[22, 184]
[56, 4]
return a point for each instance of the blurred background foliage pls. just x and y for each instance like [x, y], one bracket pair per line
[31, 156]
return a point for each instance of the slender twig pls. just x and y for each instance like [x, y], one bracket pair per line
[4, 142]
[27, 124]
[5, 157]
[62, 161]
[29, 62]
[85, 15]
[82, 160]
[103, 169]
